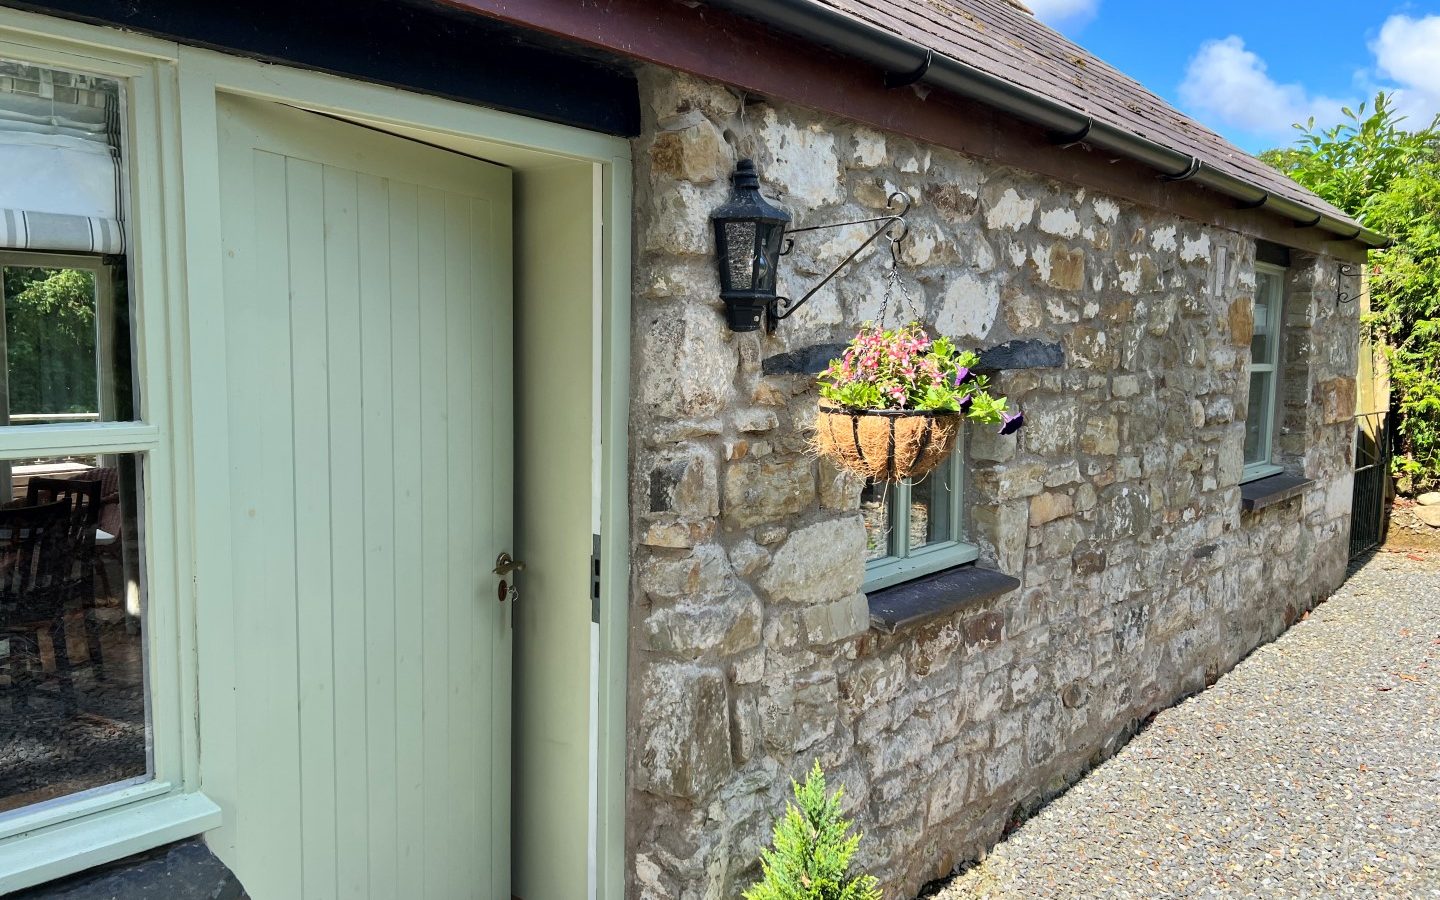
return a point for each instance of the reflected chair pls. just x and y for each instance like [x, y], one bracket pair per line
[35, 556]
[84, 496]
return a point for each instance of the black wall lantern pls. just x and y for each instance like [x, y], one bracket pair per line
[750, 238]
[748, 232]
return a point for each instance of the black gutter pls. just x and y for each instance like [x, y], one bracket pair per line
[887, 51]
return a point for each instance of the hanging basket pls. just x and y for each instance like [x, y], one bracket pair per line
[886, 444]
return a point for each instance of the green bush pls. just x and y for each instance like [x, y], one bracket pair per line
[810, 859]
[1388, 177]
[50, 337]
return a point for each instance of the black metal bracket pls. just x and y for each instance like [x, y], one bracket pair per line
[893, 227]
[1070, 139]
[1312, 223]
[1190, 171]
[904, 79]
[1254, 204]
[1345, 270]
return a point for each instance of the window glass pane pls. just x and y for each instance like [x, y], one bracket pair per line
[875, 508]
[66, 341]
[1262, 341]
[72, 618]
[930, 508]
[1257, 420]
[65, 338]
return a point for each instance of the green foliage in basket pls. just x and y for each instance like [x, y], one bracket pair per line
[904, 368]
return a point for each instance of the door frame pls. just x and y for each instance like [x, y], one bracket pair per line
[204, 75]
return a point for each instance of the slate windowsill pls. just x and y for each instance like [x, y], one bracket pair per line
[1263, 492]
[913, 602]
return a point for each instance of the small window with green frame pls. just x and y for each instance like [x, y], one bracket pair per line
[1264, 372]
[914, 527]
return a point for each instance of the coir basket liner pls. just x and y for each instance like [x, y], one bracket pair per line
[886, 444]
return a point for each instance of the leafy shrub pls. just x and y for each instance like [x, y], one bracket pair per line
[1388, 177]
[812, 850]
[50, 335]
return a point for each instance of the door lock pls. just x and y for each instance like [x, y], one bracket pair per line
[505, 564]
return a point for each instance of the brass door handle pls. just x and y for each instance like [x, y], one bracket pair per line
[505, 564]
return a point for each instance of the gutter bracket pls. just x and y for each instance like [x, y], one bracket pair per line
[1190, 171]
[1070, 139]
[905, 79]
[1254, 204]
[1312, 223]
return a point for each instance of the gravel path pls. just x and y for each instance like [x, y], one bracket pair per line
[1311, 770]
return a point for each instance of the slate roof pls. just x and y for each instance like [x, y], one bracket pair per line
[1008, 43]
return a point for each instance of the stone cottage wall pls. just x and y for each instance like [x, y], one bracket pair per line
[1117, 507]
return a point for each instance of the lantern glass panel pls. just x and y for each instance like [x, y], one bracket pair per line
[773, 235]
[740, 254]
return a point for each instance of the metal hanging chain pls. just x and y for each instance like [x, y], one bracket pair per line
[889, 291]
[894, 281]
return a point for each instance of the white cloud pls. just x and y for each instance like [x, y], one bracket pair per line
[1407, 52]
[1227, 84]
[1063, 12]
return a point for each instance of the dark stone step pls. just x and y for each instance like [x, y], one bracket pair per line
[183, 871]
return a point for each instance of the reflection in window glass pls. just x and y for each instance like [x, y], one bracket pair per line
[930, 509]
[1258, 418]
[1264, 364]
[875, 508]
[66, 341]
[1264, 326]
[73, 708]
[72, 668]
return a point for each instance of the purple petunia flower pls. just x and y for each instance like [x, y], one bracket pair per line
[961, 374]
[1011, 422]
[965, 402]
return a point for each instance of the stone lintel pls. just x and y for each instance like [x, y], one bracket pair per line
[1257, 495]
[924, 598]
[813, 359]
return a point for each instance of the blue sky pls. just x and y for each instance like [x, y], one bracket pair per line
[1248, 68]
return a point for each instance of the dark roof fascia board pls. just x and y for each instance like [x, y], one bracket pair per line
[827, 26]
[424, 46]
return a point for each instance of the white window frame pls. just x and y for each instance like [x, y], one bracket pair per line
[69, 834]
[902, 564]
[1265, 466]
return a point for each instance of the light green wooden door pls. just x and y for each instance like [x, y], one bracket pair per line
[368, 322]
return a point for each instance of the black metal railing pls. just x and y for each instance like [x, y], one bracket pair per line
[1368, 519]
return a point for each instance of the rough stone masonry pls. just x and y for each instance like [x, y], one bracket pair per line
[1117, 507]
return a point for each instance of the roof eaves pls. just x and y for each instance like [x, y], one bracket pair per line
[826, 25]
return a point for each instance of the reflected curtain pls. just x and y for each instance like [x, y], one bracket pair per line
[61, 175]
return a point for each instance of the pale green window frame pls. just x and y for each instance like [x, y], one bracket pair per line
[69, 834]
[1270, 296]
[904, 563]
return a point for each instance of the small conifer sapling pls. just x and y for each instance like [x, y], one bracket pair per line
[810, 859]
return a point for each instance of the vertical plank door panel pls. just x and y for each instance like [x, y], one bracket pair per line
[377, 490]
[266, 835]
[367, 333]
